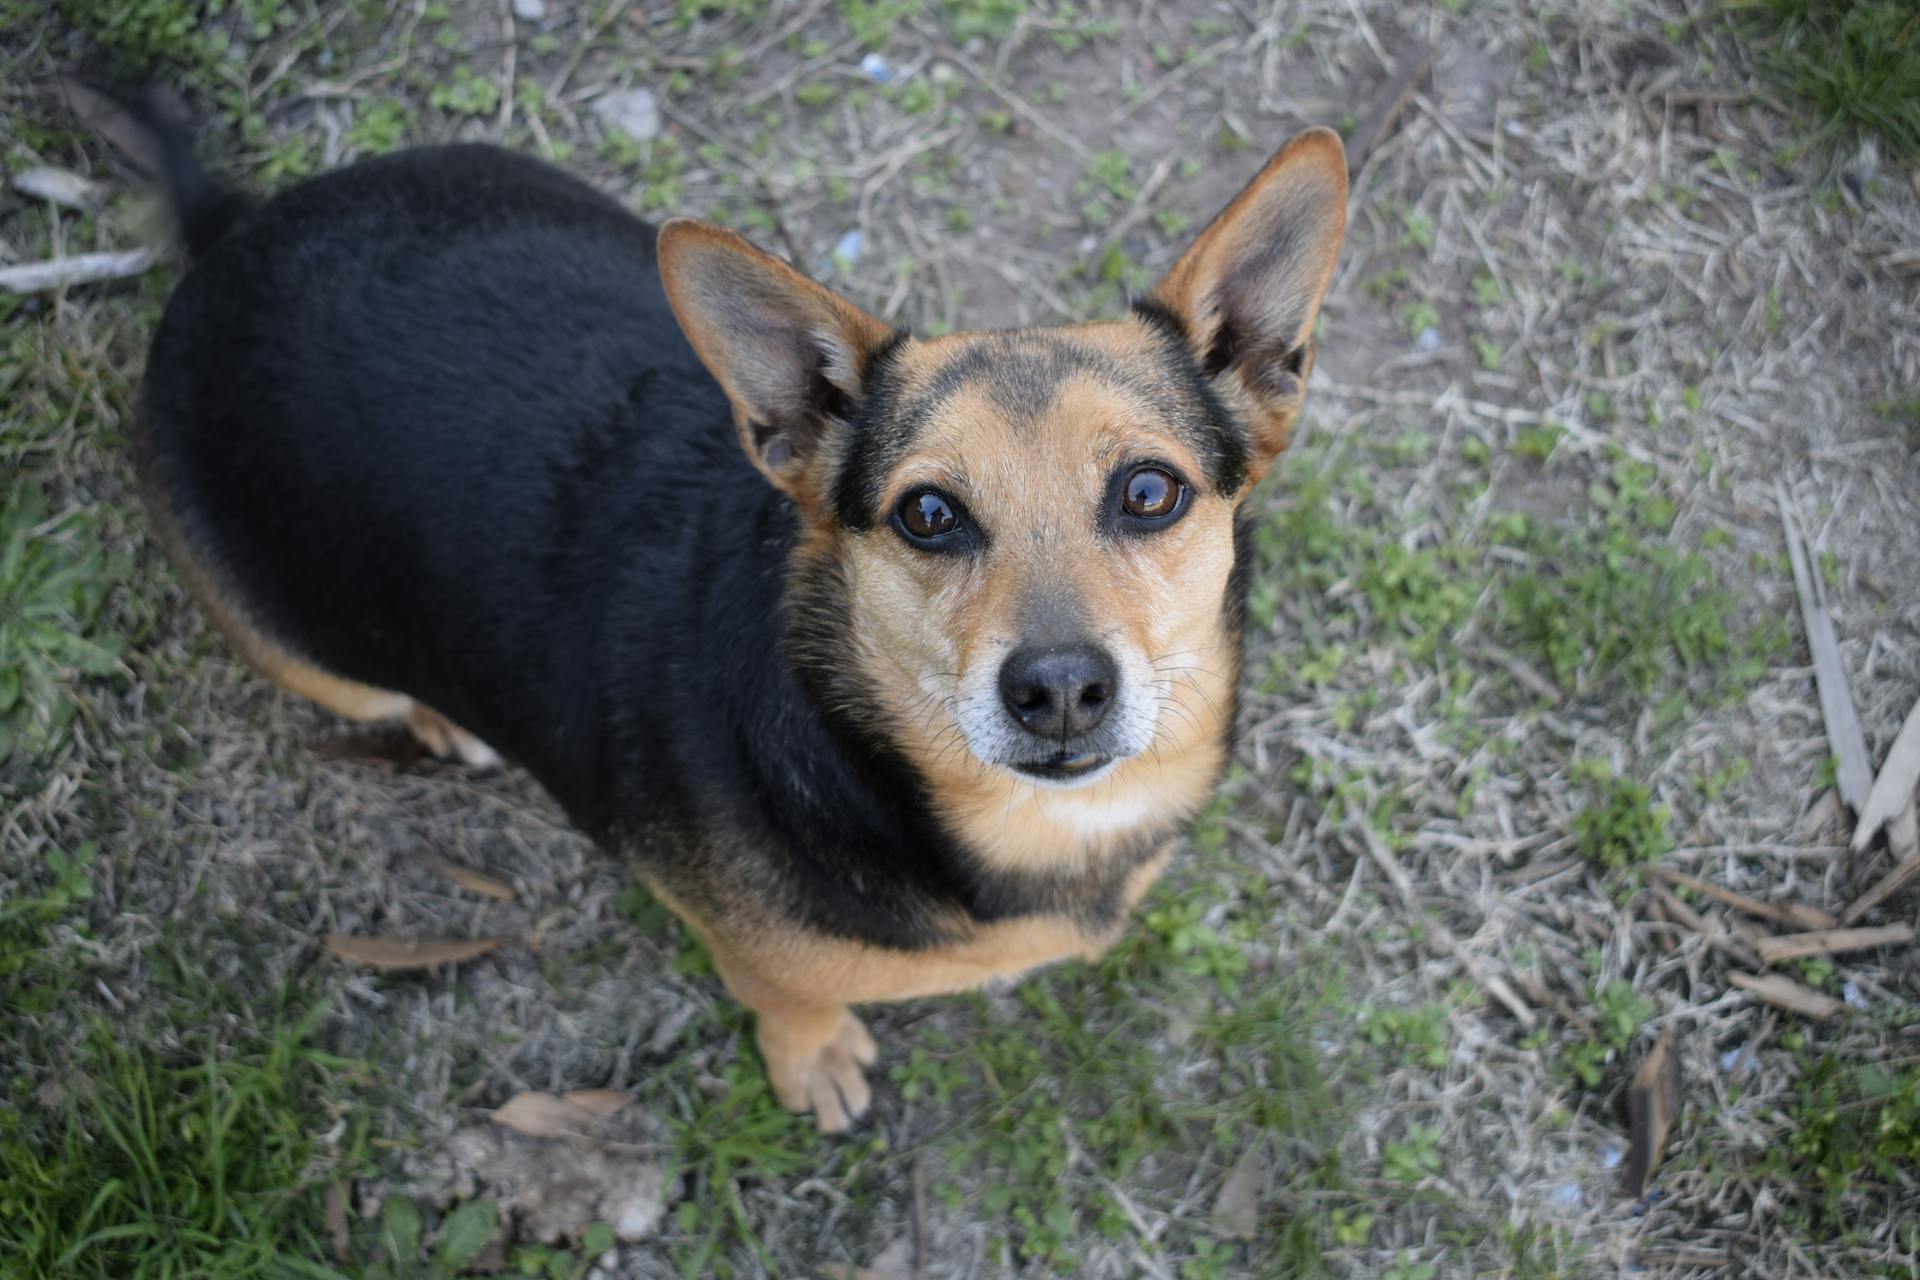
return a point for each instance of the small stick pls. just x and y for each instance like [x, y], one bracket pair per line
[1412, 63]
[1827, 942]
[1885, 887]
[1784, 993]
[1713, 931]
[1797, 914]
[60, 186]
[1830, 672]
[1894, 787]
[81, 268]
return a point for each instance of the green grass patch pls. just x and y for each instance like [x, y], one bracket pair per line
[197, 1161]
[55, 577]
[1854, 1140]
[1856, 63]
[1622, 827]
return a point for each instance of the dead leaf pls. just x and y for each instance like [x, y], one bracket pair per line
[336, 1214]
[1893, 789]
[473, 881]
[1653, 1100]
[409, 953]
[1236, 1210]
[542, 1115]
[600, 1102]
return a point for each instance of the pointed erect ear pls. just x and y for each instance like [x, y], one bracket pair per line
[790, 354]
[1247, 291]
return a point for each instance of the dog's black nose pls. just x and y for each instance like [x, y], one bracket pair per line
[1058, 693]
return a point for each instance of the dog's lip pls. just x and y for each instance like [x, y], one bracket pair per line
[1063, 766]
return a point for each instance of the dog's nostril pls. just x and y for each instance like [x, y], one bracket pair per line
[1035, 699]
[1093, 695]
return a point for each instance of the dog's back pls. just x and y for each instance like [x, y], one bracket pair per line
[399, 419]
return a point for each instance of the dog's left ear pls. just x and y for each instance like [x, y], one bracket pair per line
[790, 354]
[1248, 290]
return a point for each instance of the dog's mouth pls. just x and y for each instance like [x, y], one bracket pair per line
[1063, 767]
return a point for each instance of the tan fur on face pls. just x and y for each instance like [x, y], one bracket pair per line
[932, 631]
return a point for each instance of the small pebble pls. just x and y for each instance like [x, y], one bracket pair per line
[876, 68]
[1429, 339]
[529, 10]
[1611, 1155]
[1853, 995]
[633, 112]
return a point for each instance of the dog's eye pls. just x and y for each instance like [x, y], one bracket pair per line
[1151, 494]
[926, 515]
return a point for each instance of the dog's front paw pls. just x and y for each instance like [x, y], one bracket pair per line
[814, 1060]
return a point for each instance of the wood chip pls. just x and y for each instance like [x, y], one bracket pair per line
[600, 1102]
[61, 186]
[409, 953]
[1827, 942]
[80, 268]
[335, 1208]
[1784, 993]
[1236, 1210]
[1797, 914]
[1844, 735]
[1893, 789]
[1653, 1102]
[473, 881]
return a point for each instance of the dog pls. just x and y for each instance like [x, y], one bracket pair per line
[894, 665]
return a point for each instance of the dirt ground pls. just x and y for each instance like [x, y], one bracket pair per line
[1592, 285]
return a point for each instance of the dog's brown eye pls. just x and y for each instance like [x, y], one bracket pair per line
[927, 515]
[1150, 494]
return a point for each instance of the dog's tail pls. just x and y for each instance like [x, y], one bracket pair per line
[147, 126]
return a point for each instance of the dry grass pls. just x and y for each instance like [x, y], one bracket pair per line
[1591, 281]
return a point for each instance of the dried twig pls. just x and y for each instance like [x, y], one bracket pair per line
[1412, 62]
[1784, 993]
[1798, 915]
[1830, 672]
[1716, 934]
[81, 268]
[1893, 789]
[1827, 942]
[1903, 873]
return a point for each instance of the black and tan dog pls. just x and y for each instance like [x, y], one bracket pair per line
[894, 665]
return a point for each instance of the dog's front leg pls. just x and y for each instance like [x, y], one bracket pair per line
[814, 1050]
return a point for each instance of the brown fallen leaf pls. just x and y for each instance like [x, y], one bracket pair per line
[1236, 1210]
[336, 1213]
[1653, 1101]
[408, 953]
[473, 881]
[541, 1115]
[1784, 993]
[601, 1102]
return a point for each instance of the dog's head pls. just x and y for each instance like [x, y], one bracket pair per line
[1031, 535]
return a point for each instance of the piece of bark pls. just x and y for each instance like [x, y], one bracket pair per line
[1901, 875]
[1653, 1102]
[1408, 66]
[1784, 993]
[1797, 914]
[1844, 736]
[408, 953]
[473, 881]
[1893, 789]
[1828, 942]
[335, 1209]
[80, 268]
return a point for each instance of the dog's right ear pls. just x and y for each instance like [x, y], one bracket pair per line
[791, 355]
